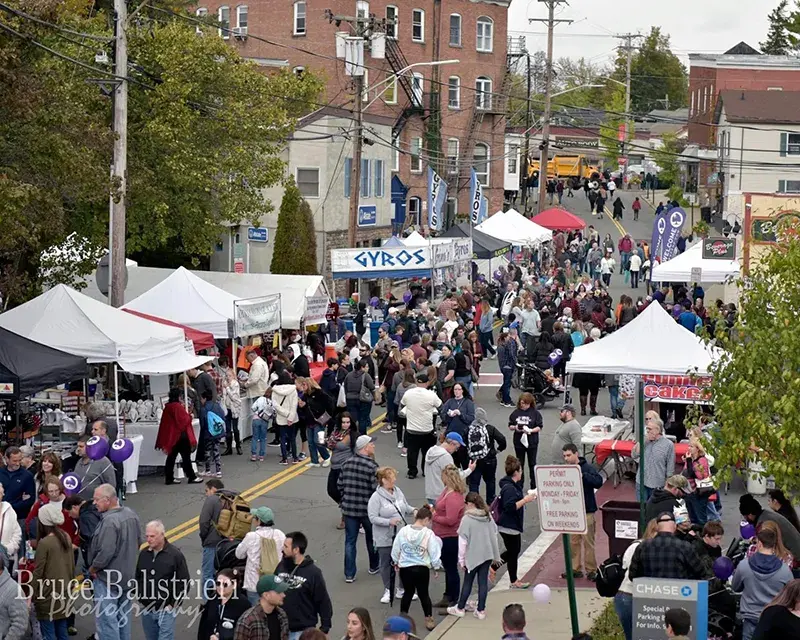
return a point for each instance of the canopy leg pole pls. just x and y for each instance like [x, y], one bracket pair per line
[120, 426]
[186, 391]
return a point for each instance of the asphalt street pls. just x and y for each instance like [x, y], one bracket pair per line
[298, 497]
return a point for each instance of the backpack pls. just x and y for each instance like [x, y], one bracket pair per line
[610, 575]
[234, 519]
[216, 425]
[494, 509]
[478, 442]
[268, 558]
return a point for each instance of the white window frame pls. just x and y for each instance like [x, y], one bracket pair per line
[418, 13]
[418, 206]
[483, 98]
[392, 29]
[691, 105]
[239, 12]
[790, 145]
[415, 153]
[390, 90]
[298, 16]
[482, 24]
[200, 12]
[450, 29]
[378, 179]
[362, 7]
[395, 154]
[786, 188]
[451, 159]
[454, 86]
[513, 159]
[366, 179]
[225, 33]
[418, 88]
[483, 177]
[297, 181]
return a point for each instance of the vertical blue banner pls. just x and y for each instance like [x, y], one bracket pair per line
[437, 199]
[674, 219]
[479, 206]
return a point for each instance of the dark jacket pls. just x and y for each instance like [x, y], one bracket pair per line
[317, 404]
[707, 555]
[204, 382]
[510, 494]
[209, 516]
[18, 483]
[459, 423]
[507, 355]
[300, 367]
[162, 578]
[329, 384]
[220, 620]
[660, 501]
[307, 602]
[496, 437]
[541, 353]
[591, 480]
[665, 556]
[353, 382]
[563, 341]
[530, 418]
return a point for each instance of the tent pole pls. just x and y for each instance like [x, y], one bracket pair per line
[186, 390]
[116, 399]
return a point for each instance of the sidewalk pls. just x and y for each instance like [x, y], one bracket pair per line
[544, 621]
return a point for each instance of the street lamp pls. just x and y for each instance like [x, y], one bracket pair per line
[393, 77]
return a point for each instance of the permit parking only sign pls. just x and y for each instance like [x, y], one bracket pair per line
[560, 498]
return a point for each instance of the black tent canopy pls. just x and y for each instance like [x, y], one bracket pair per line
[27, 366]
[484, 246]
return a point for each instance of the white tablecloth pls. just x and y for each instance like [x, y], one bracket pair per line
[147, 431]
[130, 468]
[590, 438]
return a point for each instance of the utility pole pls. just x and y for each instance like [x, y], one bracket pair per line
[119, 169]
[355, 170]
[629, 48]
[523, 184]
[548, 83]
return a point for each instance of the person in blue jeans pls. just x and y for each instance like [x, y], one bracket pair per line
[356, 484]
[507, 359]
[263, 412]
[315, 409]
[209, 536]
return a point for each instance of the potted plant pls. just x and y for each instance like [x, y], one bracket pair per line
[701, 229]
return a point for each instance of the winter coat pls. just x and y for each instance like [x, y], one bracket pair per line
[13, 609]
[284, 396]
[175, 420]
[12, 532]
[317, 405]
[591, 480]
[382, 508]
[353, 383]
[562, 341]
[477, 539]
[541, 354]
[18, 483]
[329, 384]
[507, 355]
[54, 568]
[511, 493]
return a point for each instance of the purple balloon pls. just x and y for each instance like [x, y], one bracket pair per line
[723, 567]
[121, 450]
[554, 358]
[96, 447]
[374, 301]
[747, 530]
[72, 484]
[407, 297]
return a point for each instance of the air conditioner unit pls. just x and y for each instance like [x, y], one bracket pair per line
[240, 33]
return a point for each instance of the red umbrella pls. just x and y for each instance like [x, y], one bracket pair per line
[559, 219]
[201, 339]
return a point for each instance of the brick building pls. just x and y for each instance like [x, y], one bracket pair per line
[740, 68]
[445, 114]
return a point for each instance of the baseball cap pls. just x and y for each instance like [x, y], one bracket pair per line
[678, 482]
[455, 437]
[363, 441]
[263, 514]
[397, 624]
[568, 407]
[665, 516]
[271, 582]
[422, 376]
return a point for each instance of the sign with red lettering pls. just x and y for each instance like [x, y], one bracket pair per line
[560, 498]
[681, 389]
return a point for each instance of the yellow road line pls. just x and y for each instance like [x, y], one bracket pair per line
[273, 482]
[616, 223]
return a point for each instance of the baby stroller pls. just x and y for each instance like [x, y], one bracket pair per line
[532, 379]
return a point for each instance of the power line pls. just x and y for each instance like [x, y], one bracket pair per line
[27, 16]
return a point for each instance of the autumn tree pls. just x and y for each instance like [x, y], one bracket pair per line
[295, 249]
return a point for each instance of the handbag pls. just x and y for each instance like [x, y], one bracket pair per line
[364, 394]
[341, 401]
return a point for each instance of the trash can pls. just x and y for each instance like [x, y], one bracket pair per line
[348, 324]
[621, 524]
[756, 480]
[373, 332]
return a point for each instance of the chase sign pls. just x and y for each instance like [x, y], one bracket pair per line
[653, 596]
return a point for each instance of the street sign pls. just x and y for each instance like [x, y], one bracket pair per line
[697, 274]
[560, 498]
[258, 234]
[719, 249]
[653, 596]
[238, 266]
[367, 215]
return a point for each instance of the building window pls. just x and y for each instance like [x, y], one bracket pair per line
[452, 156]
[300, 18]
[480, 162]
[454, 92]
[366, 185]
[378, 178]
[362, 9]
[390, 92]
[483, 93]
[418, 25]
[201, 13]
[414, 210]
[417, 84]
[391, 21]
[241, 18]
[705, 99]
[224, 19]
[777, 89]
[788, 186]
[416, 155]
[691, 106]
[455, 30]
[452, 209]
[395, 154]
[485, 39]
[308, 182]
[513, 158]
[793, 144]
[348, 176]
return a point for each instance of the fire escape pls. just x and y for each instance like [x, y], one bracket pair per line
[397, 61]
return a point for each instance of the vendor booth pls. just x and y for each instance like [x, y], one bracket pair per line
[200, 339]
[558, 219]
[687, 266]
[484, 246]
[511, 226]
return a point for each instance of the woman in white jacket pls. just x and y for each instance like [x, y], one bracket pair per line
[250, 548]
[10, 531]
[284, 397]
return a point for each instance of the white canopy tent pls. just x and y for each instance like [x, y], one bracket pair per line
[70, 321]
[511, 226]
[653, 343]
[184, 298]
[416, 239]
[679, 269]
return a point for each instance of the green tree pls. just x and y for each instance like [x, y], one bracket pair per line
[756, 386]
[657, 74]
[609, 130]
[295, 240]
[666, 157]
[778, 41]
